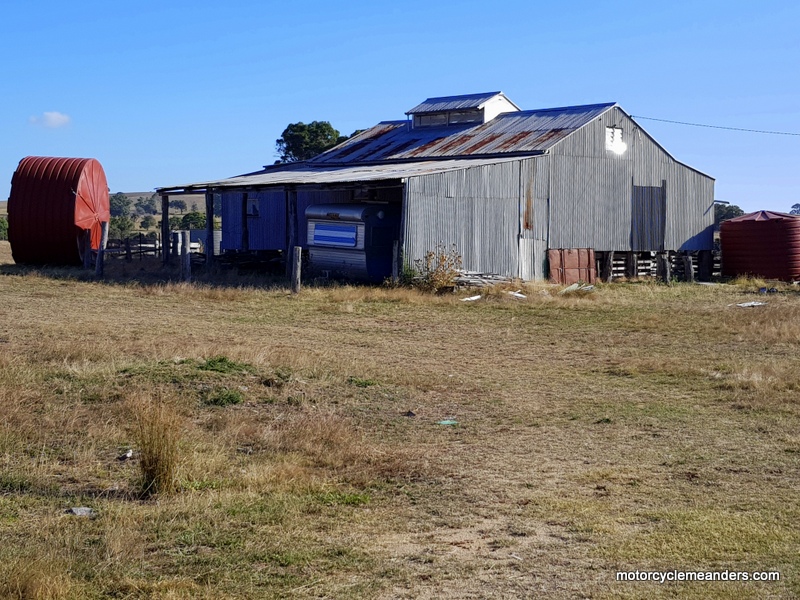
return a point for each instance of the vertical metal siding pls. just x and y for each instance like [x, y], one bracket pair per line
[475, 209]
[591, 191]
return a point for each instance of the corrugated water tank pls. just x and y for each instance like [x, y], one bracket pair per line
[764, 244]
[353, 240]
[52, 202]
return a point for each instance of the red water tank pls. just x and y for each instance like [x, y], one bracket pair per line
[52, 201]
[764, 244]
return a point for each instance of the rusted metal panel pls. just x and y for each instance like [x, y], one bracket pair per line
[523, 131]
[572, 265]
[764, 244]
[52, 201]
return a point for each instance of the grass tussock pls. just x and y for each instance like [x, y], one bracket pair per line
[37, 578]
[158, 431]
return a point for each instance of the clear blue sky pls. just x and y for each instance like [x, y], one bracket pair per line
[170, 92]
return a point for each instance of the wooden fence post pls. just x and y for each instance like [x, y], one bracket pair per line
[297, 258]
[608, 267]
[176, 241]
[186, 258]
[688, 267]
[209, 245]
[165, 229]
[631, 265]
[705, 265]
[663, 267]
[101, 252]
[395, 262]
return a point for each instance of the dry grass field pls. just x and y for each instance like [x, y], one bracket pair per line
[295, 450]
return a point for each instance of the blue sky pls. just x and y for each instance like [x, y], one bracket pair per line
[171, 92]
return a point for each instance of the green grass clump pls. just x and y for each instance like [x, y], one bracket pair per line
[222, 396]
[223, 364]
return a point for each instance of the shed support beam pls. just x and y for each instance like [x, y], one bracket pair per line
[688, 267]
[291, 227]
[663, 267]
[608, 267]
[165, 229]
[631, 265]
[705, 266]
[209, 228]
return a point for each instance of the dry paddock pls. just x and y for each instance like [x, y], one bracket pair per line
[638, 427]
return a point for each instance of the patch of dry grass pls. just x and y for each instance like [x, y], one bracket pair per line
[636, 427]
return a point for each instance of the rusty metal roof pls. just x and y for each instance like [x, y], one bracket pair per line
[308, 173]
[523, 132]
[445, 103]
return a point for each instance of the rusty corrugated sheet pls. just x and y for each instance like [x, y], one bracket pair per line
[533, 131]
[764, 243]
[52, 201]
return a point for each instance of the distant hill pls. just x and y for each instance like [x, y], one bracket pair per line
[3, 208]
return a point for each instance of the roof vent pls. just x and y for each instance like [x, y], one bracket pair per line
[461, 110]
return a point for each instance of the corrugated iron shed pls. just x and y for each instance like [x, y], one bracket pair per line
[446, 103]
[524, 132]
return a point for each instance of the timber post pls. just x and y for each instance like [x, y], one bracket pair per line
[186, 258]
[663, 267]
[291, 225]
[688, 267]
[101, 252]
[631, 265]
[608, 267]
[705, 265]
[176, 242]
[297, 258]
[209, 228]
[395, 262]
[165, 229]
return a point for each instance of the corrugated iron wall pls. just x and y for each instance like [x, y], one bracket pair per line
[592, 192]
[477, 209]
